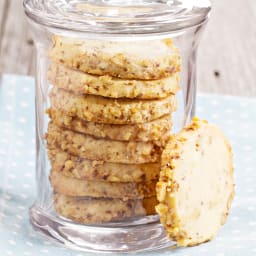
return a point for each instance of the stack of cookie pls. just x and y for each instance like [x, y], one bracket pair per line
[111, 105]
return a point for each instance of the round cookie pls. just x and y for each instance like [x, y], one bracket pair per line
[79, 168]
[91, 148]
[145, 60]
[114, 111]
[196, 185]
[98, 210]
[158, 130]
[75, 187]
[107, 86]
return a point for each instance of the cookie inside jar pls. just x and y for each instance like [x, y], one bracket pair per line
[111, 106]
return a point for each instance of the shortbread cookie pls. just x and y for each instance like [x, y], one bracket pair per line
[196, 184]
[144, 60]
[75, 187]
[92, 148]
[107, 86]
[158, 130]
[114, 111]
[98, 210]
[76, 167]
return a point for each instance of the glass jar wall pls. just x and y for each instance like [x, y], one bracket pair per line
[114, 81]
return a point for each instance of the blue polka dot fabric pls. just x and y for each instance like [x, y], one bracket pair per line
[236, 116]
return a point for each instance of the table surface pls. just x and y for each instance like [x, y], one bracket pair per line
[235, 115]
[227, 56]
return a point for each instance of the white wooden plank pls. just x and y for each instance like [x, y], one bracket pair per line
[228, 46]
[16, 50]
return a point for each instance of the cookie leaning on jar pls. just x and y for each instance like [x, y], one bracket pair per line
[110, 103]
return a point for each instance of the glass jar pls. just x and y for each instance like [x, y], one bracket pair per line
[114, 80]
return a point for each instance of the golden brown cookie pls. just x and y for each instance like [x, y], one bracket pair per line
[79, 168]
[144, 60]
[114, 111]
[75, 187]
[82, 83]
[196, 185]
[158, 130]
[98, 210]
[91, 148]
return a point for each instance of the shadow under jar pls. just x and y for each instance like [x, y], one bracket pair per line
[114, 80]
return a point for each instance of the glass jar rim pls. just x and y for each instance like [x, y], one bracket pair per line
[117, 17]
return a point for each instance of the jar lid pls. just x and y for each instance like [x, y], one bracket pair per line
[112, 17]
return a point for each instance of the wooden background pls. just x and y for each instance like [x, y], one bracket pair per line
[227, 56]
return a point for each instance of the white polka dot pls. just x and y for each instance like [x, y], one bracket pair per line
[244, 115]
[251, 208]
[17, 153]
[220, 254]
[247, 148]
[11, 242]
[5, 130]
[252, 223]
[4, 141]
[7, 197]
[245, 135]
[16, 225]
[4, 204]
[14, 164]
[23, 196]
[19, 143]
[236, 231]
[47, 243]
[3, 152]
[214, 102]
[26, 89]
[21, 207]
[247, 159]
[22, 120]
[230, 121]
[9, 107]
[28, 174]
[250, 190]
[19, 217]
[231, 132]
[29, 244]
[14, 233]
[9, 252]
[24, 104]
[26, 186]
[215, 116]
[237, 247]
[20, 133]
[32, 152]
[244, 104]
[235, 218]
[245, 126]
[30, 163]
[199, 110]
[9, 186]
[11, 176]
[229, 110]
[44, 251]
[2, 215]
[10, 93]
[32, 235]
[248, 179]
